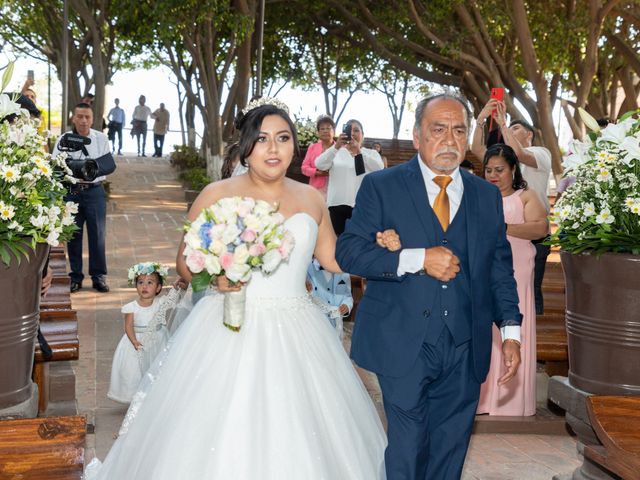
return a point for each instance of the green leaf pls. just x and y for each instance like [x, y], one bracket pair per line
[6, 76]
[4, 254]
[200, 281]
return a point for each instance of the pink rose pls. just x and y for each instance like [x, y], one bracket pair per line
[287, 245]
[195, 261]
[257, 249]
[248, 235]
[226, 260]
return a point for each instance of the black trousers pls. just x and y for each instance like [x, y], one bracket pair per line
[339, 215]
[542, 252]
[92, 211]
[158, 143]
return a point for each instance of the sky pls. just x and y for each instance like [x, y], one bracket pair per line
[159, 87]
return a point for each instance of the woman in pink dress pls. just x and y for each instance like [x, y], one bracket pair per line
[526, 220]
[318, 179]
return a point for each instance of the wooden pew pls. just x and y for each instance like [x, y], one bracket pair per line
[59, 325]
[616, 421]
[50, 448]
[550, 327]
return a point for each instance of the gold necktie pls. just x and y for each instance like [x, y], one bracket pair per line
[441, 204]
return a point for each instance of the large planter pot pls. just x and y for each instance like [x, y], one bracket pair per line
[19, 314]
[603, 322]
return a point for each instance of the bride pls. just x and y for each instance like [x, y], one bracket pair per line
[277, 400]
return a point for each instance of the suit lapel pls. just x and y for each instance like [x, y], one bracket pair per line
[471, 204]
[418, 193]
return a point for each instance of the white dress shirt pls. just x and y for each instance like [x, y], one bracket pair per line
[343, 182]
[98, 147]
[412, 259]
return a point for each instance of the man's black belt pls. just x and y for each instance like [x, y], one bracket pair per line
[79, 187]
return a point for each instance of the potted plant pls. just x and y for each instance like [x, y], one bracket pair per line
[598, 220]
[33, 216]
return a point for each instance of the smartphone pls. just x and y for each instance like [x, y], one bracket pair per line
[30, 75]
[497, 93]
[346, 129]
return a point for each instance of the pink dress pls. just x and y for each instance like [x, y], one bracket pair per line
[518, 396]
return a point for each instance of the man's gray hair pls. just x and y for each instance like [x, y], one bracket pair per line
[447, 96]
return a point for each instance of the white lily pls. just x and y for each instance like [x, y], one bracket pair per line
[8, 106]
[588, 120]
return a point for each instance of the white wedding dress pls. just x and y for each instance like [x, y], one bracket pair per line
[280, 400]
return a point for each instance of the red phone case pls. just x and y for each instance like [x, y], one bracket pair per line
[497, 93]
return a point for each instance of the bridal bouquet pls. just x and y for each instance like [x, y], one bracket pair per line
[600, 212]
[233, 237]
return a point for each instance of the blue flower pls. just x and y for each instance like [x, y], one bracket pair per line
[204, 234]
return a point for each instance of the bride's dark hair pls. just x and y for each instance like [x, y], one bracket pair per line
[249, 126]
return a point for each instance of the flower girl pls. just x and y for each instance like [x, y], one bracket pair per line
[145, 329]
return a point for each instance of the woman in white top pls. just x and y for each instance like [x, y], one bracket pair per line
[347, 162]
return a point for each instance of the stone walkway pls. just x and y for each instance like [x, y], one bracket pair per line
[146, 210]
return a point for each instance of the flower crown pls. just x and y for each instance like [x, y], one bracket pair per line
[146, 268]
[259, 102]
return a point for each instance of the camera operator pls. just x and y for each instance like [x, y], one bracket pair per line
[89, 194]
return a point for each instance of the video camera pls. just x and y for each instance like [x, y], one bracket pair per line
[85, 169]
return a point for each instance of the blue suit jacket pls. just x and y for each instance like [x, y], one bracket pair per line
[392, 317]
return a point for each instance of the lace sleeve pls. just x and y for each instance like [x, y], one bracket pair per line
[167, 302]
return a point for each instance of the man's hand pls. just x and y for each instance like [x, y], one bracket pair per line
[511, 358]
[389, 239]
[441, 263]
[489, 109]
[343, 309]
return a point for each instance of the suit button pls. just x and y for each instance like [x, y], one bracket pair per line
[426, 313]
[444, 241]
[445, 313]
[444, 287]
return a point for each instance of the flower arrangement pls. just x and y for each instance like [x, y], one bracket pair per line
[600, 212]
[146, 268]
[32, 206]
[306, 130]
[233, 237]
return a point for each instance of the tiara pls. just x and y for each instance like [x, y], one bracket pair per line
[259, 102]
[146, 268]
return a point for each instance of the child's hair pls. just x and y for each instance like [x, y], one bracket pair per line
[147, 268]
[158, 277]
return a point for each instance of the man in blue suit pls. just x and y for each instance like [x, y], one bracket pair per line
[424, 323]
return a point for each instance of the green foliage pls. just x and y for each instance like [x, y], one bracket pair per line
[195, 177]
[184, 157]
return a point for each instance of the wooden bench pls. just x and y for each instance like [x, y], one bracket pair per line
[59, 325]
[616, 421]
[49, 448]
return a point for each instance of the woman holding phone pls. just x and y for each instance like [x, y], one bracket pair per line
[347, 163]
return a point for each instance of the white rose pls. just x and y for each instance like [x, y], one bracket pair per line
[271, 260]
[238, 272]
[231, 233]
[241, 254]
[212, 264]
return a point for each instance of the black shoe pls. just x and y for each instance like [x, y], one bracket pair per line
[101, 286]
[75, 286]
[119, 152]
[143, 155]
